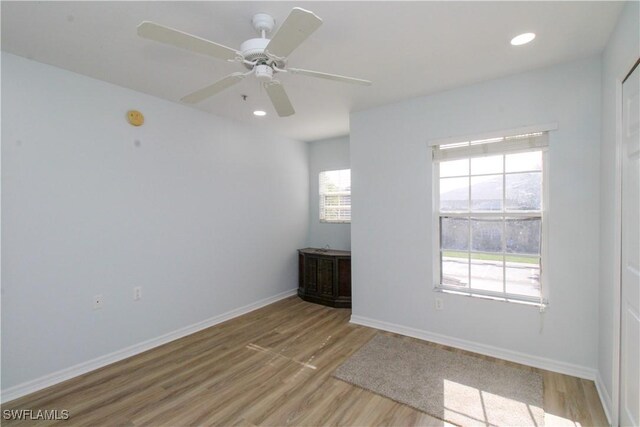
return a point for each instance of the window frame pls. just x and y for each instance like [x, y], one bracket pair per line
[322, 195]
[541, 301]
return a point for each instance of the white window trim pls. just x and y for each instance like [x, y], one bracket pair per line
[541, 302]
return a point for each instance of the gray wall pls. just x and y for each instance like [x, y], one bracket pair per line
[204, 214]
[326, 154]
[392, 230]
[619, 56]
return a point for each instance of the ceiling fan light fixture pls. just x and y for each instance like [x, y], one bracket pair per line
[523, 38]
[259, 113]
[264, 73]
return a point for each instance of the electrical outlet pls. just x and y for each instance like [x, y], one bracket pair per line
[439, 304]
[97, 302]
[137, 293]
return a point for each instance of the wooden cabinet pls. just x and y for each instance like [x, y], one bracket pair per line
[324, 276]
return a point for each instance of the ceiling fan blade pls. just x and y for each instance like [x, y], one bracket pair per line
[217, 87]
[299, 25]
[328, 76]
[279, 99]
[162, 34]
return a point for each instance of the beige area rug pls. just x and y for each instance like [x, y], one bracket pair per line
[448, 385]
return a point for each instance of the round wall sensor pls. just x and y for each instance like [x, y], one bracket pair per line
[135, 118]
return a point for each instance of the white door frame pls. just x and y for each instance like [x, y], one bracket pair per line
[617, 254]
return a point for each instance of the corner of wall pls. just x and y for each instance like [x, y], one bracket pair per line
[604, 396]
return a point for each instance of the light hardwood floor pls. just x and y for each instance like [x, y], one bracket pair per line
[269, 367]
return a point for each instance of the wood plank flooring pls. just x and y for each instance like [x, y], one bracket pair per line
[269, 367]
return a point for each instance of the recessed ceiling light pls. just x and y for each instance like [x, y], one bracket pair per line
[522, 39]
[259, 113]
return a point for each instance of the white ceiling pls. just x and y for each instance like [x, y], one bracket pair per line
[406, 48]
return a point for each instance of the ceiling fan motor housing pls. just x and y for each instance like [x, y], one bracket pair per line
[253, 51]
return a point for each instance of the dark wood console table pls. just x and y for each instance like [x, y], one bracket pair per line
[324, 276]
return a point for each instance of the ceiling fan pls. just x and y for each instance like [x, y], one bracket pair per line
[263, 57]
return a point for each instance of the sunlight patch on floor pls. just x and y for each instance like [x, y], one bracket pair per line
[551, 420]
[470, 406]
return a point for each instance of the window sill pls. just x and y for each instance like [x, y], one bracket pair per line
[323, 221]
[542, 306]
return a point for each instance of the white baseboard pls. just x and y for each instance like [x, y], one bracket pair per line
[488, 350]
[82, 368]
[605, 398]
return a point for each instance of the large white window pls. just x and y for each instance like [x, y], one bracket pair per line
[335, 196]
[490, 203]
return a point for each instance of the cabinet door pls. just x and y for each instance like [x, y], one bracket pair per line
[325, 276]
[344, 277]
[310, 274]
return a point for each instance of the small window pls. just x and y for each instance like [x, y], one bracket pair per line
[489, 198]
[335, 196]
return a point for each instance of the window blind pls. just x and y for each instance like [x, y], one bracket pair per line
[335, 195]
[489, 147]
